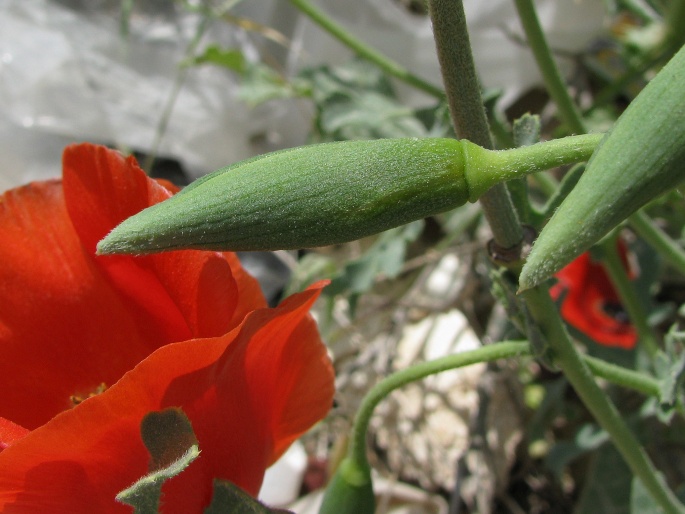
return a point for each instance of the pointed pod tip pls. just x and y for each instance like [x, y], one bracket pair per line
[540, 267]
[122, 240]
[108, 247]
[527, 282]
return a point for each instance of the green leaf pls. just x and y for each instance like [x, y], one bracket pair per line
[527, 130]
[385, 257]
[641, 502]
[607, 484]
[526, 133]
[669, 366]
[228, 498]
[262, 83]
[167, 435]
[229, 58]
[588, 438]
[171, 442]
[357, 101]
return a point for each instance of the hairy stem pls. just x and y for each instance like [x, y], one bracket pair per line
[487, 167]
[468, 114]
[631, 303]
[503, 350]
[659, 240]
[544, 312]
[543, 56]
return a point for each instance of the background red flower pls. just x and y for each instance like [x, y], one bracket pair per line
[591, 303]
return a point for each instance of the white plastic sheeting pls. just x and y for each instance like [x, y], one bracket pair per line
[67, 73]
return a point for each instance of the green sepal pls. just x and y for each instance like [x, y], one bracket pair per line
[638, 160]
[350, 491]
[171, 442]
[228, 498]
[145, 495]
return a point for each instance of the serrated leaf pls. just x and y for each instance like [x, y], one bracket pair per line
[228, 498]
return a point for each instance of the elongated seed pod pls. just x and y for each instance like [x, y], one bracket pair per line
[642, 157]
[331, 193]
[305, 197]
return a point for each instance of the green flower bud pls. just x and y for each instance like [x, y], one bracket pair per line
[642, 157]
[304, 197]
[350, 491]
[331, 193]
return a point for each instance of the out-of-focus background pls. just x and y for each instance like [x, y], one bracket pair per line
[191, 87]
[75, 70]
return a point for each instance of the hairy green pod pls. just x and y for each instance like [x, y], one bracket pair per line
[304, 197]
[331, 193]
[642, 157]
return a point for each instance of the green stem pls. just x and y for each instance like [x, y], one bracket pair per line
[544, 312]
[466, 107]
[363, 50]
[547, 317]
[624, 377]
[487, 167]
[631, 303]
[503, 350]
[550, 73]
[675, 26]
[507, 349]
[562, 190]
[659, 240]
[176, 87]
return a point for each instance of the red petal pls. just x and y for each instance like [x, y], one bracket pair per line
[70, 321]
[247, 394]
[192, 288]
[588, 290]
[10, 433]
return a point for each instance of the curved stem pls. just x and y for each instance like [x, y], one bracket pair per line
[507, 349]
[544, 312]
[547, 317]
[503, 350]
[363, 50]
[550, 73]
[487, 167]
[176, 87]
[466, 108]
[659, 240]
[624, 377]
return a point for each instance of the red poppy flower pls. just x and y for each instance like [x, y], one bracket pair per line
[591, 304]
[180, 329]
